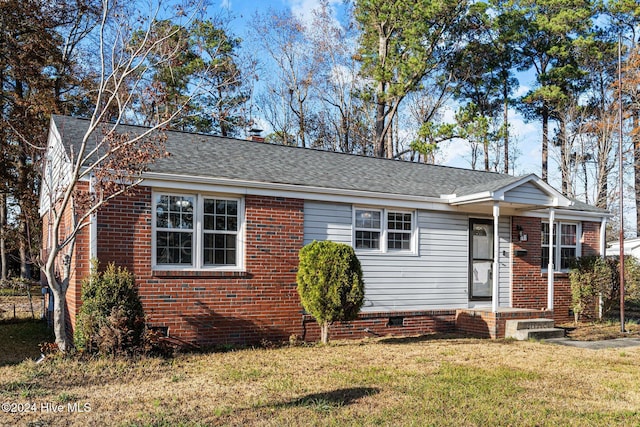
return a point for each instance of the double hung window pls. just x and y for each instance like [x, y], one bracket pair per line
[566, 245]
[384, 230]
[194, 231]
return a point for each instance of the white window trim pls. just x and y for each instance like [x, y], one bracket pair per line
[198, 234]
[558, 246]
[384, 250]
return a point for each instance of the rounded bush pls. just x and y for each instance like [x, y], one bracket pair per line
[330, 283]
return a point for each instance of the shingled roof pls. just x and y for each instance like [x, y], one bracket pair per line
[208, 156]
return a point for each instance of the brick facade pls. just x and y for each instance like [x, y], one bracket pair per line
[261, 302]
[529, 282]
[214, 307]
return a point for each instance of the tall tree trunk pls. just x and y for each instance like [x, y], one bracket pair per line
[389, 143]
[381, 102]
[564, 157]
[636, 168]
[3, 242]
[302, 122]
[381, 107]
[23, 237]
[505, 124]
[25, 271]
[545, 143]
[485, 145]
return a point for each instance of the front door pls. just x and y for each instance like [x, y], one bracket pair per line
[480, 259]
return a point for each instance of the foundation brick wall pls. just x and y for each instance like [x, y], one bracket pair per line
[491, 325]
[529, 288]
[385, 324]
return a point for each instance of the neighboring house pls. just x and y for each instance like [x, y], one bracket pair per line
[213, 233]
[631, 247]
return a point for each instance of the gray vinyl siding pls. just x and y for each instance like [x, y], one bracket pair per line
[436, 277]
[327, 221]
[527, 193]
[504, 230]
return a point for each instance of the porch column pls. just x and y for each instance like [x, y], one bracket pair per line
[603, 237]
[496, 256]
[552, 217]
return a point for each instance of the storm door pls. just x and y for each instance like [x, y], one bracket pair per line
[480, 259]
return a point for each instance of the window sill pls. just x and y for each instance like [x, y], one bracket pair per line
[386, 254]
[199, 273]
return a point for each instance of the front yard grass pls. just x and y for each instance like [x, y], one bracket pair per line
[422, 381]
[19, 339]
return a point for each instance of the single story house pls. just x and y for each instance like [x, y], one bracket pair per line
[212, 235]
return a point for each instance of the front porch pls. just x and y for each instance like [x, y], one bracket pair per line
[487, 323]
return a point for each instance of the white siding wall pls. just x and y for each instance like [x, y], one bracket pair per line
[57, 172]
[436, 277]
[527, 193]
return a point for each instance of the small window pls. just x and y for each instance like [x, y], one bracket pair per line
[565, 245]
[220, 229]
[399, 225]
[383, 230]
[368, 229]
[174, 229]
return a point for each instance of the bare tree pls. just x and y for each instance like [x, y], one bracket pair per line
[130, 46]
[282, 36]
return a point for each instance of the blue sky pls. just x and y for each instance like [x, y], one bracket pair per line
[527, 136]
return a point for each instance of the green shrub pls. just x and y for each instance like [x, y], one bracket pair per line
[593, 277]
[330, 283]
[589, 277]
[111, 318]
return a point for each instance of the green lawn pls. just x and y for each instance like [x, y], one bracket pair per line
[422, 381]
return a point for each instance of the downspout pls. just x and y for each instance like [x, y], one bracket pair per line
[550, 268]
[496, 255]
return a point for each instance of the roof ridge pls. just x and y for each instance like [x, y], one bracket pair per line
[312, 149]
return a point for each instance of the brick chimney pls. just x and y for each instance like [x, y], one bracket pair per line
[255, 134]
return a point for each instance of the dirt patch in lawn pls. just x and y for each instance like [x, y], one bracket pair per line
[596, 331]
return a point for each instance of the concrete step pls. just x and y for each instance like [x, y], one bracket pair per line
[545, 334]
[536, 329]
[512, 326]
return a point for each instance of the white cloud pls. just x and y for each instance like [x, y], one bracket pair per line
[303, 9]
[225, 4]
[521, 91]
[456, 152]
